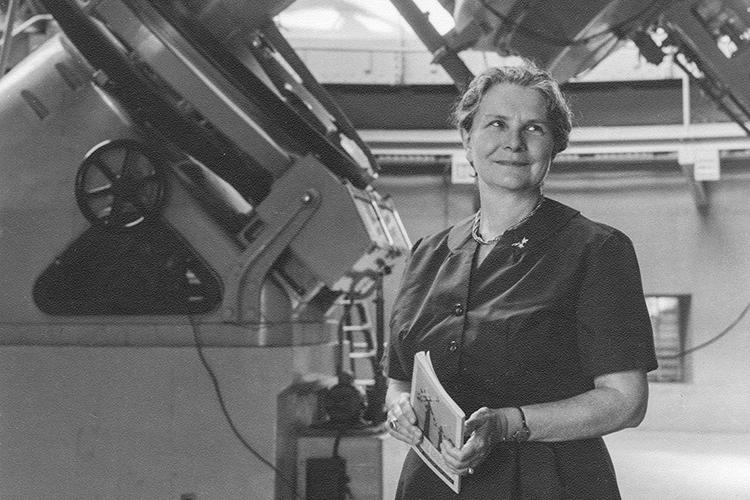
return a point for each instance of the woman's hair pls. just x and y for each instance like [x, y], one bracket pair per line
[525, 75]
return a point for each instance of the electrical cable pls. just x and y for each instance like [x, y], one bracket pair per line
[714, 338]
[345, 492]
[565, 42]
[225, 411]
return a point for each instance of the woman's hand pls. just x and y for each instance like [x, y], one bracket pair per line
[402, 421]
[486, 427]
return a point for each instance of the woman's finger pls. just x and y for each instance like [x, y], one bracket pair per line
[398, 426]
[406, 409]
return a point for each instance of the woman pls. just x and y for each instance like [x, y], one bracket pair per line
[534, 315]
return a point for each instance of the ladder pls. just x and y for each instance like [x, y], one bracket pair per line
[359, 333]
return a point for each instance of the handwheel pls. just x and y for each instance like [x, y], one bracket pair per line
[120, 184]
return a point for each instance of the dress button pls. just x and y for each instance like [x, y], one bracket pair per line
[452, 346]
[458, 309]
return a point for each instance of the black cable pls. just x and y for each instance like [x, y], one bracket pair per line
[225, 412]
[564, 42]
[345, 492]
[713, 339]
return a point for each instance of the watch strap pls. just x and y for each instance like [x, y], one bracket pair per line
[522, 434]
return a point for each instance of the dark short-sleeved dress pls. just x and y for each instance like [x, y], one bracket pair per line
[557, 302]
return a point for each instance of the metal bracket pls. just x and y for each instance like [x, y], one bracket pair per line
[435, 43]
[698, 188]
[257, 259]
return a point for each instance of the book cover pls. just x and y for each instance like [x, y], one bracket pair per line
[439, 417]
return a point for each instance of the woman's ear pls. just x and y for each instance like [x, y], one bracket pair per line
[466, 141]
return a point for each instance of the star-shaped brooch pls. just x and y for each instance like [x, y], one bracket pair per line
[520, 244]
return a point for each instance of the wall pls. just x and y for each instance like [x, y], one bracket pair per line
[127, 423]
[680, 250]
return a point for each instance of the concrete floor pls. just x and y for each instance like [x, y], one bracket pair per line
[653, 465]
[681, 466]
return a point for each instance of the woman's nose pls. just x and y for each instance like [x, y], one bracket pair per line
[514, 141]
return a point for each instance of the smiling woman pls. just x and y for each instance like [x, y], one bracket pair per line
[513, 121]
[533, 315]
[510, 144]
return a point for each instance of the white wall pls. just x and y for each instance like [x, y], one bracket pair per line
[141, 423]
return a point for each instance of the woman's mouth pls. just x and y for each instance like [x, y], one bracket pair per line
[513, 163]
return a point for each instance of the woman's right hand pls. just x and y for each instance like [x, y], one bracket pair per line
[402, 421]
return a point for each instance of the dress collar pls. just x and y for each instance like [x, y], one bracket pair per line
[551, 216]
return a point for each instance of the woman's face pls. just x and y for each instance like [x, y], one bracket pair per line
[510, 143]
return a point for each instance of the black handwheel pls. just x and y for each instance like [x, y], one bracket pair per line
[120, 184]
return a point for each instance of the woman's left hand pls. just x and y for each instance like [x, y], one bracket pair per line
[486, 427]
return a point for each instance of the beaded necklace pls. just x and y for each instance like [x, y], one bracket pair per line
[475, 226]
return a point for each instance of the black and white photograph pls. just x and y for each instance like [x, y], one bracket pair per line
[229, 227]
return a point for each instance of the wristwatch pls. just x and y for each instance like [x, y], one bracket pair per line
[523, 433]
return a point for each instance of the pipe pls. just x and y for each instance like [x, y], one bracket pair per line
[10, 15]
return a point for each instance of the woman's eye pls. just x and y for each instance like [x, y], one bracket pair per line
[497, 123]
[535, 129]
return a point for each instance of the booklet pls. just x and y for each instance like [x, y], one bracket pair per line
[439, 417]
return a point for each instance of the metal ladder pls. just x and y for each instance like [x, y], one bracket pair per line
[359, 332]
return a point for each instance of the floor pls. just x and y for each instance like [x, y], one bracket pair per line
[654, 465]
